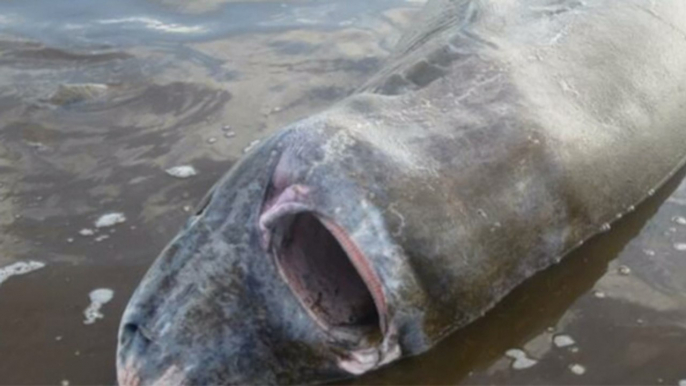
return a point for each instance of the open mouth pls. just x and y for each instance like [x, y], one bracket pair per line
[328, 274]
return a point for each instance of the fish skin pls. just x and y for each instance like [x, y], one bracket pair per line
[501, 136]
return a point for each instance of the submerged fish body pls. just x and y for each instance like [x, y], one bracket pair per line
[502, 135]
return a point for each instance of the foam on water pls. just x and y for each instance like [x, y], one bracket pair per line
[182, 171]
[563, 340]
[599, 294]
[86, 232]
[624, 270]
[19, 268]
[156, 25]
[110, 219]
[98, 297]
[577, 369]
[101, 238]
[520, 358]
[680, 246]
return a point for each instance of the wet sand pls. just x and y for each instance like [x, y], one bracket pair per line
[92, 117]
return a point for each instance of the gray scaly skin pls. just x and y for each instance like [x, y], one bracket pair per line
[501, 135]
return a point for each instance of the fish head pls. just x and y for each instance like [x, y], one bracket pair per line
[285, 275]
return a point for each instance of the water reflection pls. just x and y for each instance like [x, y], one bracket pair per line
[134, 22]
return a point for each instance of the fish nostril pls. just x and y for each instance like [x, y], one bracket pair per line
[133, 333]
[128, 333]
[130, 328]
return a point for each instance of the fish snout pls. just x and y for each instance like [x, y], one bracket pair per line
[133, 344]
[127, 375]
[136, 342]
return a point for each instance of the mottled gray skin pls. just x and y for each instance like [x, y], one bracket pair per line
[501, 135]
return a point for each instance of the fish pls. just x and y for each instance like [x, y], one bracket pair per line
[498, 137]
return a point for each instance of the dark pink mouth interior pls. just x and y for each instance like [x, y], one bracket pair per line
[322, 274]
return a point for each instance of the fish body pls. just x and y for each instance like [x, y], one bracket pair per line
[500, 136]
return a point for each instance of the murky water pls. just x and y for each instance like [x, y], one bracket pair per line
[100, 100]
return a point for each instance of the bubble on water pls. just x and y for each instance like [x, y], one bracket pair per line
[229, 134]
[110, 219]
[651, 192]
[65, 382]
[577, 369]
[182, 171]
[574, 349]
[624, 270]
[98, 297]
[482, 213]
[58, 338]
[649, 252]
[187, 208]
[631, 208]
[680, 247]
[679, 220]
[70, 240]
[19, 268]
[563, 340]
[605, 227]
[520, 359]
[211, 140]
[682, 382]
[599, 294]
[226, 127]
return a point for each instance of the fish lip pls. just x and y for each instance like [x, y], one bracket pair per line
[295, 200]
[362, 360]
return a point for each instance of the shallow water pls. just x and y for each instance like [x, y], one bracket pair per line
[166, 84]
